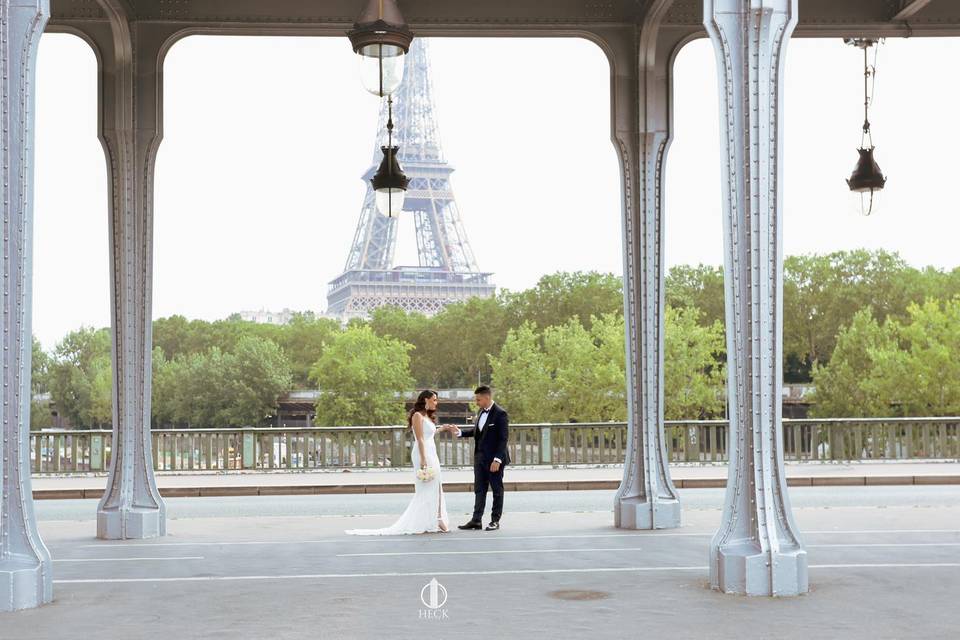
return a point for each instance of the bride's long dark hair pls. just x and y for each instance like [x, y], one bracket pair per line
[421, 406]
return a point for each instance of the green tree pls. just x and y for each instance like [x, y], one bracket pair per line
[415, 330]
[217, 389]
[588, 387]
[853, 383]
[561, 296]
[41, 364]
[303, 340]
[80, 377]
[522, 378]
[361, 377]
[821, 293]
[259, 373]
[693, 375]
[699, 287]
[923, 377]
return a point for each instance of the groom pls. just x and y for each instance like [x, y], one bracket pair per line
[490, 456]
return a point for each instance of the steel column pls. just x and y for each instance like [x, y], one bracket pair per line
[26, 580]
[757, 550]
[131, 506]
[646, 498]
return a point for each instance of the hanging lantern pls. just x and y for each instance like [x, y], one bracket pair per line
[382, 38]
[867, 180]
[389, 182]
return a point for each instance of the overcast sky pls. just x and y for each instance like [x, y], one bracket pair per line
[258, 179]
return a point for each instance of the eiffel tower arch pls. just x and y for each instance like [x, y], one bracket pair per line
[447, 270]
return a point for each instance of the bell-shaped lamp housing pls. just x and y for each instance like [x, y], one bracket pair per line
[382, 39]
[866, 181]
[390, 183]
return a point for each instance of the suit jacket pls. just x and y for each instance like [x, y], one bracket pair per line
[491, 441]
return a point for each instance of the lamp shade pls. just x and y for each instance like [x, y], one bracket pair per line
[866, 181]
[390, 183]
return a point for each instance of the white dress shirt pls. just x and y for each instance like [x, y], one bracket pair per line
[480, 424]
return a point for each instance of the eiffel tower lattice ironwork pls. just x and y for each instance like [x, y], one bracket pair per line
[447, 271]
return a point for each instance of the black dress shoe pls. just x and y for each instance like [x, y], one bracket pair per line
[471, 525]
[493, 526]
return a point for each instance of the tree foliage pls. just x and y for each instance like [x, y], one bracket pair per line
[80, 377]
[694, 377]
[360, 377]
[216, 388]
[568, 373]
[907, 368]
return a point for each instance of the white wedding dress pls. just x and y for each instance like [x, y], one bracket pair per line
[428, 508]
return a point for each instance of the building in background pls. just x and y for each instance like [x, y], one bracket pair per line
[263, 316]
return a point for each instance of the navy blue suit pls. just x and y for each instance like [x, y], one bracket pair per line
[489, 443]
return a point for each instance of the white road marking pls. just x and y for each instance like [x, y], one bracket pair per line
[472, 538]
[318, 576]
[407, 538]
[496, 551]
[870, 531]
[888, 565]
[886, 544]
[124, 559]
[400, 574]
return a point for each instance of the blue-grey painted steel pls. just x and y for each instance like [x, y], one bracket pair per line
[647, 498]
[757, 550]
[447, 270]
[26, 578]
[130, 130]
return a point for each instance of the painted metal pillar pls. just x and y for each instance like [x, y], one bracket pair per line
[131, 506]
[646, 498]
[757, 550]
[26, 578]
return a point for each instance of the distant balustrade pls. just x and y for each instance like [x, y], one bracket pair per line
[695, 441]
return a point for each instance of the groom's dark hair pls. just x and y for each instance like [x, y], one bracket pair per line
[483, 390]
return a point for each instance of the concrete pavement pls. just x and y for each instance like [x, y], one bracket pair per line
[879, 569]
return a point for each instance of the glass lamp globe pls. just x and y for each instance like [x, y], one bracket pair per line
[381, 68]
[390, 200]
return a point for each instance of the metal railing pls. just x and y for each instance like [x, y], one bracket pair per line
[843, 439]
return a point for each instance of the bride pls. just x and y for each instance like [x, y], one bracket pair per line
[427, 511]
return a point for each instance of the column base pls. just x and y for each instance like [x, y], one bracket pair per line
[639, 513]
[743, 569]
[131, 524]
[24, 585]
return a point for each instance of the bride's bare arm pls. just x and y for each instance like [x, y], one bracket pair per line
[418, 433]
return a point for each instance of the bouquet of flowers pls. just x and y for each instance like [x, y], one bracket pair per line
[426, 474]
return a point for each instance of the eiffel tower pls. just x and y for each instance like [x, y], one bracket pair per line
[447, 271]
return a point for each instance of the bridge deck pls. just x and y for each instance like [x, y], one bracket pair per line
[884, 562]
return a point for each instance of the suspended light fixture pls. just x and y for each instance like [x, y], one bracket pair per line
[867, 180]
[382, 39]
[389, 182]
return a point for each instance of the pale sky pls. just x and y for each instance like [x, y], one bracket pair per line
[258, 187]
